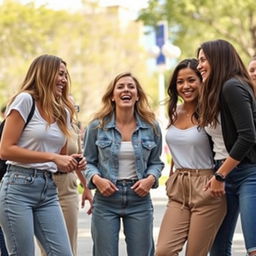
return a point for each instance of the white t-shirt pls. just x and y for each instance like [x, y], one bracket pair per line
[38, 134]
[218, 143]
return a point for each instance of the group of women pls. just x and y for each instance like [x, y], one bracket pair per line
[211, 136]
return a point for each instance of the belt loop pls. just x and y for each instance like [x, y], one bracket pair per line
[35, 173]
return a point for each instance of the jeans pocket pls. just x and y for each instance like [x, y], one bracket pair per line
[21, 179]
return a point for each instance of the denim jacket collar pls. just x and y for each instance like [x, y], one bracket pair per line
[139, 121]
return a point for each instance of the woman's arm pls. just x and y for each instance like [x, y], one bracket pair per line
[87, 194]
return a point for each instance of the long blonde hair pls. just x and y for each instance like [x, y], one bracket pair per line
[40, 82]
[142, 107]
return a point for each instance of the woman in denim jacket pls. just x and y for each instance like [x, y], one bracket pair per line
[122, 146]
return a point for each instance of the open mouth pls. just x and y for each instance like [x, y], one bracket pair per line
[126, 97]
[187, 94]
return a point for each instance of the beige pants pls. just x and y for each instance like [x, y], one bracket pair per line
[69, 202]
[192, 215]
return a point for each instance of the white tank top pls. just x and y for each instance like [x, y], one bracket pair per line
[126, 161]
[190, 148]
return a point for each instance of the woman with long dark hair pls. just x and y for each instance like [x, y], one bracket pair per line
[192, 214]
[228, 111]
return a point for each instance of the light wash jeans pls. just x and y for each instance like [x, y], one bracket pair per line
[29, 206]
[137, 216]
[241, 198]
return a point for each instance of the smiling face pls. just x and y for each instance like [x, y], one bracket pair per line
[188, 84]
[252, 70]
[125, 93]
[62, 79]
[203, 65]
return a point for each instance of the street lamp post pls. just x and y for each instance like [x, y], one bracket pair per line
[163, 50]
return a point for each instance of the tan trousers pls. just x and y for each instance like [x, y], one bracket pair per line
[69, 202]
[192, 215]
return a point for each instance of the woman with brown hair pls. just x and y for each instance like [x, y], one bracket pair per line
[228, 109]
[192, 214]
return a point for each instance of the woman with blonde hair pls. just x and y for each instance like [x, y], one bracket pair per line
[28, 196]
[123, 146]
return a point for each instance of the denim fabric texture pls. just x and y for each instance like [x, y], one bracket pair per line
[101, 149]
[137, 218]
[102, 146]
[29, 205]
[3, 250]
[241, 198]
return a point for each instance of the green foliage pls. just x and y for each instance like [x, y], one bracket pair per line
[94, 43]
[192, 22]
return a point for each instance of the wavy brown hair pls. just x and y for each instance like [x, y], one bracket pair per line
[225, 64]
[108, 106]
[40, 81]
[172, 89]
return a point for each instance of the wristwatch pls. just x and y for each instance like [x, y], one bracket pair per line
[219, 177]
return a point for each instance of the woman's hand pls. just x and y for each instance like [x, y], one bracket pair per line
[65, 163]
[143, 186]
[216, 188]
[87, 195]
[81, 161]
[105, 186]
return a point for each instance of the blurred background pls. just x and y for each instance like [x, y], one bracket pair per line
[100, 38]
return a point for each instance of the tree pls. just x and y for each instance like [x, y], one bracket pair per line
[194, 21]
[92, 41]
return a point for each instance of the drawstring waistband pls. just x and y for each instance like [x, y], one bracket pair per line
[190, 172]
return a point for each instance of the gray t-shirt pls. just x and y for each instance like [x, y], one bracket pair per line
[38, 135]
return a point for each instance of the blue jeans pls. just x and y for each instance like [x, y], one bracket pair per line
[29, 206]
[2, 244]
[241, 197]
[137, 216]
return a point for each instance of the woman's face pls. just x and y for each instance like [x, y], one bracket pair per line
[125, 93]
[203, 65]
[252, 70]
[62, 79]
[188, 84]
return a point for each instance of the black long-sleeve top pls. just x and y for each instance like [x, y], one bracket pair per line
[238, 120]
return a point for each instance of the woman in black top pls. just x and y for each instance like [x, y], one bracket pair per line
[228, 99]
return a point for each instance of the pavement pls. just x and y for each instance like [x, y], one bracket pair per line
[159, 201]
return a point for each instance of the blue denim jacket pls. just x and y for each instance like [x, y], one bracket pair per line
[102, 145]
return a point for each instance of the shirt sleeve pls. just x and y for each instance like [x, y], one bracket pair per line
[22, 103]
[239, 102]
[91, 153]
